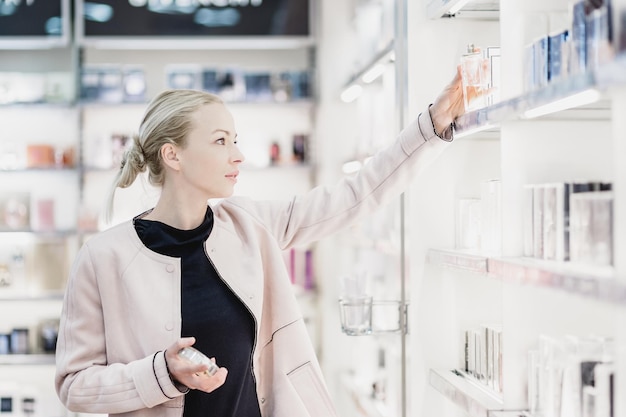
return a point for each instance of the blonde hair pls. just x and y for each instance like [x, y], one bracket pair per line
[166, 120]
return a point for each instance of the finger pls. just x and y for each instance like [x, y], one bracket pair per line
[211, 383]
[184, 342]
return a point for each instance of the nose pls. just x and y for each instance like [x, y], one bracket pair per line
[237, 155]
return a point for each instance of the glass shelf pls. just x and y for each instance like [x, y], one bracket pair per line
[589, 281]
[608, 76]
[509, 414]
[65, 170]
[6, 296]
[367, 317]
[39, 105]
[464, 260]
[42, 234]
[28, 359]
[473, 399]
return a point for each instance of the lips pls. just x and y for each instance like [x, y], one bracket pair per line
[233, 175]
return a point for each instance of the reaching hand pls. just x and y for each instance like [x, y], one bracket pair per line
[449, 104]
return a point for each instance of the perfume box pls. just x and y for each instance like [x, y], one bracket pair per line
[578, 50]
[542, 75]
[134, 84]
[258, 86]
[557, 44]
[528, 219]
[183, 77]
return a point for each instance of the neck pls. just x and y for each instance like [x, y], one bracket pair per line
[179, 210]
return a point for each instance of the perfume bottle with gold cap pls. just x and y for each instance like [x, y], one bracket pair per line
[474, 70]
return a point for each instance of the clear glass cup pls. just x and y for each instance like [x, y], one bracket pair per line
[356, 315]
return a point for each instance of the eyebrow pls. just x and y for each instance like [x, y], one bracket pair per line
[224, 131]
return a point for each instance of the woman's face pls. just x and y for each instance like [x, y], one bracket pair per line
[210, 161]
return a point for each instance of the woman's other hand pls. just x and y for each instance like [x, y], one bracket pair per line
[189, 374]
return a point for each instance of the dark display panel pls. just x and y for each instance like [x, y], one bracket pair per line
[194, 18]
[32, 18]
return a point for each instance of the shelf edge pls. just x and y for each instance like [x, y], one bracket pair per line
[471, 398]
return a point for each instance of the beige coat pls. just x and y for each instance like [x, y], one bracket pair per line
[122, 304]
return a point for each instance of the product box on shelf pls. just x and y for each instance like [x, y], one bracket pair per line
[618, 21]
[112, 83]
[571, 376]
[483, 355]
[14, 211]
[560, 224]
[591, 227]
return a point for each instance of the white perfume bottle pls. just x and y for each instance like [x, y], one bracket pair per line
[195, 356]
[474, 78]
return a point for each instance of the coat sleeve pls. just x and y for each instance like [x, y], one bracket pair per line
[84, 380]
[327, 209]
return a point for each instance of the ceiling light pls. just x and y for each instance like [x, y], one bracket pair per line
[575, 100]
[457, 6]
[351, 93]
[373, 73]
[351, 167]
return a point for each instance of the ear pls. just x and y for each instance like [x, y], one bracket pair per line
[170, 156]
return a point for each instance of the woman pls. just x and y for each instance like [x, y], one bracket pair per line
[187, 273]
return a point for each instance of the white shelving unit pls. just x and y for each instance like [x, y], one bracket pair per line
[528, 297]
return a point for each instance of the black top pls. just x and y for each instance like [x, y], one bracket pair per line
[223, 326]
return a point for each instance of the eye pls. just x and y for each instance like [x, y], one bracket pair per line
[221, 141]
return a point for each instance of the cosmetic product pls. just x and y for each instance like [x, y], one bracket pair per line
[527, 219]
[578, 50]
[134, 84]
[299, 144]
[184, 76]
[468, 223]
[542, 75]
[497, 359]
[600, 48]
[43, 218]
[492, 54]
[274, 153]
[111, 89]
[534, 372]
[19, 341]
[209, 80]
[193, 355]
[16, 210]
[5, 343]
[591, 227]
[471, 353]
[557, 53]
[603, 378]
[258, 86]
[292, 265]
[466, 352]
[538, 216]
[48, 333]
[529, 67]
[474, 78]
[309, 282]
[602, 228]
[491, 217]
[555, 221]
